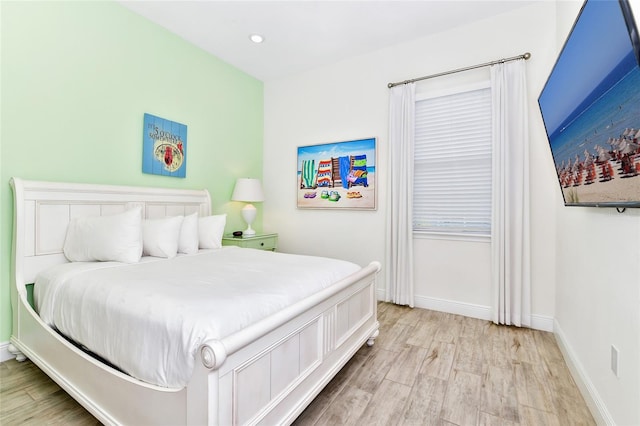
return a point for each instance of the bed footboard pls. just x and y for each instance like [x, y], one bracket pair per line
[272, 378]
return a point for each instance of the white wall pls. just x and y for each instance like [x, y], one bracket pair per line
[349, 100]
[598, 292]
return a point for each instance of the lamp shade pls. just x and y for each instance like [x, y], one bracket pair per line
[248, 190]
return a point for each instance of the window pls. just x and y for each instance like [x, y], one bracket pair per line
[452, 164]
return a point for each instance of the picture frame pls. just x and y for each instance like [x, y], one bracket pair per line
[337, 175]
[164, 147]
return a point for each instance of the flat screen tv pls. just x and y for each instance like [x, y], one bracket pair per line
[590, 106]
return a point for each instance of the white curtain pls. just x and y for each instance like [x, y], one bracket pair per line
[399, 247]
[510, 240]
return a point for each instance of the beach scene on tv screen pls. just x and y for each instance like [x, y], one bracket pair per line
[595, 145]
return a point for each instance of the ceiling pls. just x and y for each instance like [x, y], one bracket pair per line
[302, 35]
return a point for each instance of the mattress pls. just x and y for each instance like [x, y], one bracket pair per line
[149, 319]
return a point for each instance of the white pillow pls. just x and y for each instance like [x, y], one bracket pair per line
[210, 230]
[105, 238]
[188, 242]
[160, 236]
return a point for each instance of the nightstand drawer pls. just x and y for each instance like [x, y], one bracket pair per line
[258, 241]
[266, 243]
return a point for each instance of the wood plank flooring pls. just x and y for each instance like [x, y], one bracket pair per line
[29, 397]
[434, 368]
[426, 368]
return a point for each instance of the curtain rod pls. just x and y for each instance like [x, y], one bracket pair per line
[524, 56]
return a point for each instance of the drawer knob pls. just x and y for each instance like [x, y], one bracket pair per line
[262, 244]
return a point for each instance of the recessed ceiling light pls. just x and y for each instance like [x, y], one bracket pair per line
[256, 38]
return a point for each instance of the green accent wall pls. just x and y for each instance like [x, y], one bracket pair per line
[76, 79]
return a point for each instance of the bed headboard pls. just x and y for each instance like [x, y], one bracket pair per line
[42, 211]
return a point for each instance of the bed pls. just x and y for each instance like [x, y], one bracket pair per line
[265, 372]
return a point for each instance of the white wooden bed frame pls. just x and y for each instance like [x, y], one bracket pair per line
[264, 374]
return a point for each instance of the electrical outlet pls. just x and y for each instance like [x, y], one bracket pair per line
[615, 355]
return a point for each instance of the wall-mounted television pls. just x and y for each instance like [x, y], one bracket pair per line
[590, 106]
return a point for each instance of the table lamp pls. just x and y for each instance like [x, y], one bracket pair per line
[249, 191]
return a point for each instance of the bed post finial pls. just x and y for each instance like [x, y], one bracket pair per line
[213, 354]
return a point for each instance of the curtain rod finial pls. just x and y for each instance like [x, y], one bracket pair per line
[526, 56]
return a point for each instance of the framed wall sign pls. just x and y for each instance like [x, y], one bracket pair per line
[164, 149]
[337, 175]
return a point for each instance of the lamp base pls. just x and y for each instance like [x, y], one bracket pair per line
[249, 215]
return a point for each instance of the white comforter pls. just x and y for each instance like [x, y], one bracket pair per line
[149, 319]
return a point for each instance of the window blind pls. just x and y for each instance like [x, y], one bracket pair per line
[452, 164]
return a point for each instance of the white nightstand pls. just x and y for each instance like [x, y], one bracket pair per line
[257, 241]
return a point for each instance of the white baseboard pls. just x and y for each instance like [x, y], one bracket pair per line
[454, 307]
[538, 322]
[5, 355]
[542, 322]
[589, 392]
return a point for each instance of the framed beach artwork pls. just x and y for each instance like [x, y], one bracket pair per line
[337, 175]
[164, 147]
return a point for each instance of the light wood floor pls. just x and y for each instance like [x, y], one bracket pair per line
[425, 368]
[433, 368]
